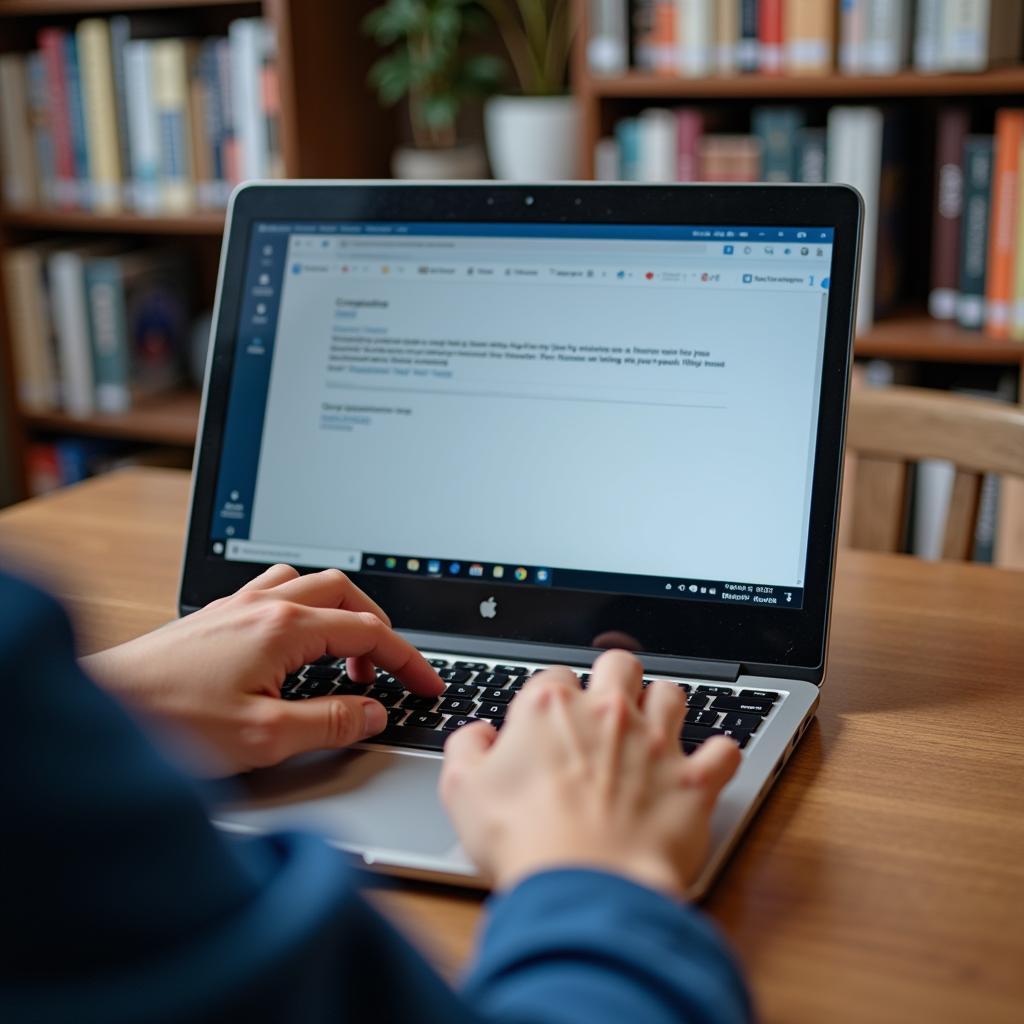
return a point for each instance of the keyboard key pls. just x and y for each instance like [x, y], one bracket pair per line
[512, 670]
[700, 733]
[455, 675]
[740, 723]
[456, 706]
[518, 682]
[387, 695]
[331, 672]
[389, 680]
[416, 703]
[741, 737]
[437, 663]
[494, 710]
[325, 659]
[744, 705]
[290, 681]
[473, 666]
[456, 722]
[697, 700]
[293, 695]
[761, 694]
[716, 691]
[492, 679]
[316, 687]
[347, 689]
[395, 715]
[467, 690]
[410, 736]
[424, 719]
[698, 716]
[497, 694]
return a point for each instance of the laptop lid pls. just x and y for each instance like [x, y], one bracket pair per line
[568, 415]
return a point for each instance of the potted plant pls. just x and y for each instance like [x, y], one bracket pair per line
[428, 65]
[534, 136]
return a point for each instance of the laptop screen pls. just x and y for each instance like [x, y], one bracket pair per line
[612, 408]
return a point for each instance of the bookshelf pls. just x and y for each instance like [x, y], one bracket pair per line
[331, 126]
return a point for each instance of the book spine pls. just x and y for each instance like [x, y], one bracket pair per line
[642, 33]
[851, 35]
[105, 297]
[76, 118]
[747, 50]
[657, 145]
[978, 159]
[726, 14]
[953, 124]
[689, 128]
[608, 45]
[1003, 222]
[606, 160]
[200, 144]
[627, 134]
[42, 129]
[812, 163]
[928, 35]
[694, 30]
[665, 37]
[143, 133]
[71, 319]
[270, 106]
[778, 129]
[22, 285]
[120, 33]
[769, 34]
[247, 43]
[229, 139]
[809, 34]
[965, 35]
[100, 112]
[170, 97]
[1017, 306]
[20, 175]
[51, 44]
[885, 36]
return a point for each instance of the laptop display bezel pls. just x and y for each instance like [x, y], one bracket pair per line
[771, 637]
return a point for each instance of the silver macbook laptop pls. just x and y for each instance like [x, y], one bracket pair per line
[533, 422]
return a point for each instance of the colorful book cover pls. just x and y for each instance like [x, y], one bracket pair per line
[808, 34]
[778, 128]
[977, 163]
[100, 111]
[689, 128]
[627, 134]
[76, 119]
[952, 129]
[41, 124]
[748, 48]
[51, 44]
[769, 36]
[1002, 233]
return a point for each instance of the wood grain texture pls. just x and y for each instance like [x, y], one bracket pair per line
[879, 504]
[883, 880]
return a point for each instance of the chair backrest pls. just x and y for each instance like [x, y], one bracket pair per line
[890, 428]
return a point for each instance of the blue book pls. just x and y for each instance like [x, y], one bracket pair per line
[778, 129]
[76, 116]
[627, 134]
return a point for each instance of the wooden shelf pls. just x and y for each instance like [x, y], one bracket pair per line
[920, 337]
[998, 82]
[169, 420]
[206, 222]
[21, 8]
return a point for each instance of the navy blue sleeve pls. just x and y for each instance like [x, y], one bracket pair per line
[121, 903]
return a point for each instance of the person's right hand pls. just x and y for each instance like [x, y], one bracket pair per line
[591, 778]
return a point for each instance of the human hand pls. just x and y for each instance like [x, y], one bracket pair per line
[591, 778]
[219, 671]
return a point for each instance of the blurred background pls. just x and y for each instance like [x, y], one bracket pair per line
[124, 125]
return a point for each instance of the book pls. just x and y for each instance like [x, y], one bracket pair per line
[170, 60]
[1017, 303]
[120, 34]
[51, 45]
[643, 39]
[808, 33]
[726, 19]
[769, 36]
[953, 126]
[811, 156]
[689, 128]
[627, 135]
[854, 151]
[978, 34]
[100, 113]
[42, 468]
[729, 158]
[928, 25]
[20, 176]
[81, 190]
[31, 336]
[891, 248]
[778, 129]
[852, 27]
[608, 45]
[1002, 230]
[695, 37]
[251, 41]
[886, 36]
[748, 47]
[606, 160]
[144, 137]
[977, 164]
[41, 127]
[657, 158]
[270, 107]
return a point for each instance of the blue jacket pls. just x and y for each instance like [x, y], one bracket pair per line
[121, 903]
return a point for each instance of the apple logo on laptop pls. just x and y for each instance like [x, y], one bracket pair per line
[489, 608]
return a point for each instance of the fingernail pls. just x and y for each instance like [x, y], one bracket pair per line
[374, 718]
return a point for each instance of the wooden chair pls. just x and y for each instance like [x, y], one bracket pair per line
[890, 428]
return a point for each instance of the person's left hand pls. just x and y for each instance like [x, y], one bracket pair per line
[219, 671]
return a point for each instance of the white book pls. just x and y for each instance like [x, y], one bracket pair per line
[852, 24]
[657, 145]
[933, 488]
[17, 145]
[854, 147]
[979, 33]
[928, 35]
[606, 160]
[71, 320]
[608, 45]
[695, 33]
[143, 129]
[251, 41]
[30, 329]
[884, 49]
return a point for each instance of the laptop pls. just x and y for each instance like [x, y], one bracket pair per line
[533, 422]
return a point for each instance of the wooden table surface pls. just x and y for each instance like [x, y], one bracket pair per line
[884, 878]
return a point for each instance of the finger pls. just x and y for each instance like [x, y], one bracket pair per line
[364, 635]
[329, 589]
[617, 672]
[664, 708]
[557, 675]
[712, 765]
[465, 746]
[326, 723]
[360, 670]
[272, 577]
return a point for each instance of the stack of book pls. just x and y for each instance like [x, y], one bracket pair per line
[121, 114]
[706, 37]
[94, 327]
[862, 146]
[977, 272]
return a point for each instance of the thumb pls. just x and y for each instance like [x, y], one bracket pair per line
[327, 723]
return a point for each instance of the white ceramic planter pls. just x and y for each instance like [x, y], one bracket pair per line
[533, 138]
[459, 163]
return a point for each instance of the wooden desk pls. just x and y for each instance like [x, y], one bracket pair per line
[884, 878]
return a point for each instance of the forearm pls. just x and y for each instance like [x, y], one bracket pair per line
[582, 946]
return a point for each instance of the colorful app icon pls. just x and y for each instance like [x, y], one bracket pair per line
[498, 571]
[390, 563]
[455, 568]
[476, 570]
[433, 566]
[413, 565]
[543, 575]
[521, 574]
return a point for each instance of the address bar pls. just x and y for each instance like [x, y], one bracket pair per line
[293, 554]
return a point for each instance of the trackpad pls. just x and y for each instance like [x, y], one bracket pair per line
[365, 798]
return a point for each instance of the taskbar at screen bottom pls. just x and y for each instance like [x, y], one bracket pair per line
[718, 591]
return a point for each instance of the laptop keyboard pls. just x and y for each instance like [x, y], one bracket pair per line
[478, 689]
